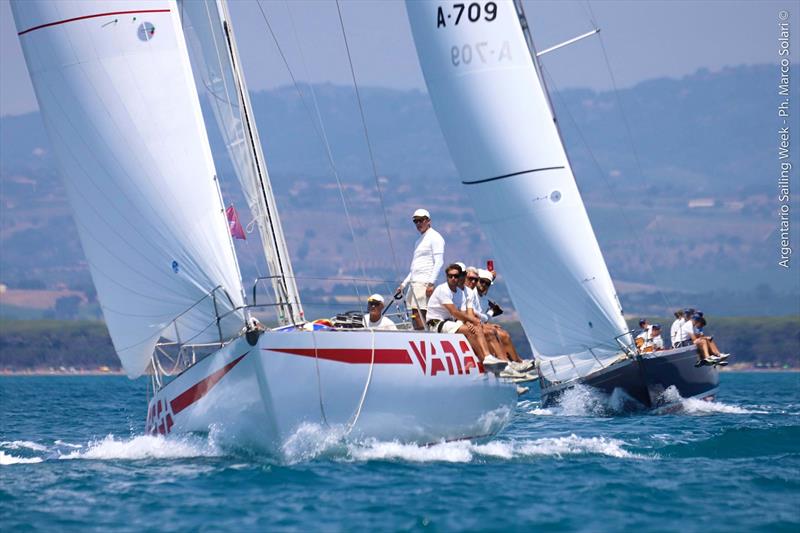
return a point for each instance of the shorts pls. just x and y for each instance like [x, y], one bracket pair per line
[445, 326]
[416, 297]
[682, 344]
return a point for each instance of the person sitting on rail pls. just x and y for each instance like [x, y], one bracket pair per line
[374, 319]
[707, 351]
[445, 316]
[675, 329]
[480, 280]
[653, 341]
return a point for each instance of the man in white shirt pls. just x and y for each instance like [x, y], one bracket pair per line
[374, 319]
[675, 329]
[425, 266]
[445, 316]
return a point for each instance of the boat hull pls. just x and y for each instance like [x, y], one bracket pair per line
[405, 386]
[646, 379]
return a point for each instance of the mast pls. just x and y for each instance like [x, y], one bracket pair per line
[526, 31]
[272, 238]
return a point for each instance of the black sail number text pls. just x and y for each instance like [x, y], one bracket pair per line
[460, 13]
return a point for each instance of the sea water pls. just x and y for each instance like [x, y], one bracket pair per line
[73, 457]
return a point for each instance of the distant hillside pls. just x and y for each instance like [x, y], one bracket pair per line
[39, 345]
[708, 137]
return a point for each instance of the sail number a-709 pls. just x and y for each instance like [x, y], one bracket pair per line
[459, 13]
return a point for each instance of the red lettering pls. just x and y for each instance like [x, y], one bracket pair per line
[421, 354]
[448, 347]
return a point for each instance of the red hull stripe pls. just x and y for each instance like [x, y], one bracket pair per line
[201, 388]
[84, 17]
[351, 355]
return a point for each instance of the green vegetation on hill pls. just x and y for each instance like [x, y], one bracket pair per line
[43, 344]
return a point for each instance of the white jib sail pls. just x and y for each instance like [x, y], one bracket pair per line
[117, 96]
[204, 24]
[496, 120]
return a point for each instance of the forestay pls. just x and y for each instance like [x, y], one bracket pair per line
[215, 62]
[118, 99]
[496, 119]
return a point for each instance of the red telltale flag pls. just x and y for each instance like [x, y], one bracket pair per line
[237, 231]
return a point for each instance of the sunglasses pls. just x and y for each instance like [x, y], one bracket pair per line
[473, 279]
[373, 304]
[454, 276]
[484, 281]
[418, 220]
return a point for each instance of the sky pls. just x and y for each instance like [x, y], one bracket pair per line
[642, 39]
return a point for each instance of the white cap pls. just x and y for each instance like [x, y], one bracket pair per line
[375, 298]
[420, 213]
[485, 274]
[462, 265]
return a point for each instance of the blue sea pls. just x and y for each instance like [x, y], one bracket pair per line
[73, 456]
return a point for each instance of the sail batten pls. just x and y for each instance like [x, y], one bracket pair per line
[495, 115]
[117, 96]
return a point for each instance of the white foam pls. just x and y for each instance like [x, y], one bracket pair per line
[67, 444]
[23, 444]
[541, 412]
[310, 441]
[6, 459]
[146, 447]
[465, 451]
[695, 406]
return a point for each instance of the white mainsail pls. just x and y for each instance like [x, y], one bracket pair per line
[118, 99]
[216, 62]
[495, 116]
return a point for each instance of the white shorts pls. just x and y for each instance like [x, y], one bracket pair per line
[445, 326]
[451, 326]
[416, 297]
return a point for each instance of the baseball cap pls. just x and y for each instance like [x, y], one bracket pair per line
[485, 274]
[656, 326]
[642, 321]
[696, 317]
[421, 213]
[462, 265]
[375, 298]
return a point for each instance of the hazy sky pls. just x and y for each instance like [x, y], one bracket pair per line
[643, 39]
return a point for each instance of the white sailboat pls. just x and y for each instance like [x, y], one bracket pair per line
[117, 93]
[494, 110]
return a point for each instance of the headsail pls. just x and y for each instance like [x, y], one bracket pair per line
[212, 48]
[495, 116]
[118, 99]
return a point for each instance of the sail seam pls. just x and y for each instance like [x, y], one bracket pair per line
[84, 17]
[504, 176]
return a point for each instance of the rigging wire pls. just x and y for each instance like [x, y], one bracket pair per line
[625, 217]
[320, 131]
[366, 137]
[625, 121]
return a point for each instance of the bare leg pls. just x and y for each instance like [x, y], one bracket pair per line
[713, 346]
[505, 340]
[418, 318]
[494, 344]
[477, 340]
[702, 348]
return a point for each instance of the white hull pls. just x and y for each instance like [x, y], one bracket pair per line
[405, 386]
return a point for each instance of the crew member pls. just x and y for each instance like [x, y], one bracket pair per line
[374, 319]
[445, 316]
[425, 266]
